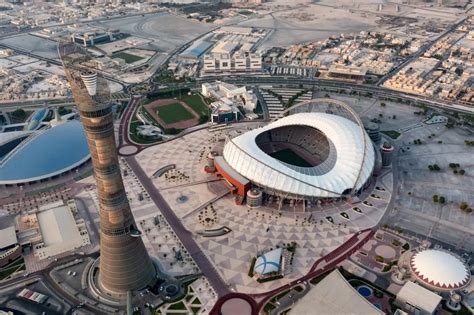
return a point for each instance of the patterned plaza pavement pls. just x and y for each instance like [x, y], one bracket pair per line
[190, 192]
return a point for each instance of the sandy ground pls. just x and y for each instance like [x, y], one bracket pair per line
[304, 21]
[36, 45]
[151, 109]
[166, 30]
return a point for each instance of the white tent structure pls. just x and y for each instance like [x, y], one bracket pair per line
[439, 270]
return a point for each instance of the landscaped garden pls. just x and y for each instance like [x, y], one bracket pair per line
[391, 133]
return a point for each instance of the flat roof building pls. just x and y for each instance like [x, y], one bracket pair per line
[334, 295]
[347, 72]
[8, 238]
[415, 299]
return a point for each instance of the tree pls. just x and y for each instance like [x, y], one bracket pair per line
[435, 198]
[462, 172]
[382, 104]
[463, 205]
[442, 200]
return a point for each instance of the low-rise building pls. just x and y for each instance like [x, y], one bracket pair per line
[228, 99]
[9, 247]
[347, 72]
[415, 299]
[239, 62]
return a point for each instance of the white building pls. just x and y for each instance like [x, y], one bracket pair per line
[228, 98]
[415, 299]
[338, 152]
[239, 62]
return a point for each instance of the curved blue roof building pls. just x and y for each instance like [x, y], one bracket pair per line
[36, 119]
[45, 154]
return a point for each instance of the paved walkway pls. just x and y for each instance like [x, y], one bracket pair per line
[184, 235]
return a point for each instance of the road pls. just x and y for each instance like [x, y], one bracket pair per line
[379, 91]
[54, 61]
[321, 266]
[43, 276]
[186, 237]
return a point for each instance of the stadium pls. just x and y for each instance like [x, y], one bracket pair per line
[316, 150]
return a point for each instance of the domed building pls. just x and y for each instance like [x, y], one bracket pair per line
[307, 155]
[439, 270]
[44, 154]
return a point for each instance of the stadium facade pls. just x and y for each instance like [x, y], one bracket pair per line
[314, 152]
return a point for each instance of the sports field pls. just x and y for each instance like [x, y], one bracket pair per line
[173, 112]
[129, 58]
[290, 157]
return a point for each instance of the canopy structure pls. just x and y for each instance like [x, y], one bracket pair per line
[440, 270]
[337, 156]
[268, 262]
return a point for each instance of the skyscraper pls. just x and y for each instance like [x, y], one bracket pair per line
[124, 261]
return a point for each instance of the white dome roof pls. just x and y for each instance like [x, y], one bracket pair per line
[347, 148]
[440, 269]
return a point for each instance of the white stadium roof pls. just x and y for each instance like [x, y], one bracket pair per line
[352, 151]
[440, 269]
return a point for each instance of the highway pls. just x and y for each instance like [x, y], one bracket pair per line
[53, 61]
[43, 276]
[377, 91]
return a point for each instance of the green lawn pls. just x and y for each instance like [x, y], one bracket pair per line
[391, 133]
[197, 104]
[16, 265]
[129, 58]
[173, 113]
[290, 157]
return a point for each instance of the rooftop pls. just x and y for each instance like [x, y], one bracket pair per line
[334, 295]
[8, 237]
[420, 297]
[440, 269]
[46, 153]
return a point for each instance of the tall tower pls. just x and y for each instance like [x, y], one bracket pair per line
[124, 261]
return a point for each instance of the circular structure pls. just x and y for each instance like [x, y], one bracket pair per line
[254, 198]
[182, 199]
[128, 150]
[385, 251]
[171, 290]
[236, 306]
[440, 270]
[44, 154]
[305, 155]
[365, 291]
